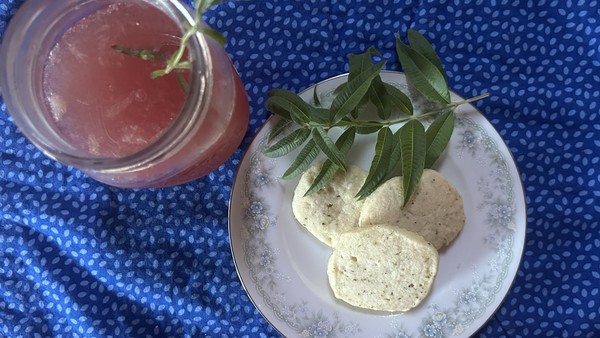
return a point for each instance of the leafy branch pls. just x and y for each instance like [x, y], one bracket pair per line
[409, 150]
[176, 60]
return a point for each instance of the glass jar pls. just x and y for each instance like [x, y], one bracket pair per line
[202, 132]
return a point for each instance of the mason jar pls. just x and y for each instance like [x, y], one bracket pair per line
[79, 84]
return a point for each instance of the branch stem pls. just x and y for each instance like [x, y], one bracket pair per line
[358, 123]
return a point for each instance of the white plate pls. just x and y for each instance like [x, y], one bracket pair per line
[283, 267]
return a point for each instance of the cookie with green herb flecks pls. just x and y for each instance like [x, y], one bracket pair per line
[435, 211]
[332, 210]
[382, 267]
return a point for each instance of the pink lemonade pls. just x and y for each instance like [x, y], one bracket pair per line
[105, 104]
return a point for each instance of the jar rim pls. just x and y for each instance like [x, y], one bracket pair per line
[190, 115]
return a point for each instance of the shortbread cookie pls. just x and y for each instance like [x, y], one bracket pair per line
[332, 210]
[382, 267]
[435, 211]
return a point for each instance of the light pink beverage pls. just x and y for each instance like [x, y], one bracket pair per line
[106, 104]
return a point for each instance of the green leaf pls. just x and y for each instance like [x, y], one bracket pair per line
[306, 156]
[438, 135]
[422, 74]
[358, 63]
[279, 106]
[328, 170]
[280, 126]
[399, 99]
[361, 108]
[380, 165]
[367, 129]
[288, 143]
[293, 98]
[290, 105]
[283, 107]
[412, 142]
[345, 141]
[339, 88]
[299, 116]
[396, 154]
[380, 98]
[316, 100]
[144, 54]
[419, 43]
[327, 146]
[321, 116]
[352, 94]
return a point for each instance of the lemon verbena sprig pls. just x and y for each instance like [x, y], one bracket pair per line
[407, 151]
[177, 60]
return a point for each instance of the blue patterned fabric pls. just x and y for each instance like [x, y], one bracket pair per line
[81, 259]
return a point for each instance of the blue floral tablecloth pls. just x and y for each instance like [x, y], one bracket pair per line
[82, 259]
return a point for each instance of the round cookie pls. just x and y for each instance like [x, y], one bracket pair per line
[435, 210]
[382, 267]
[332, 210]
